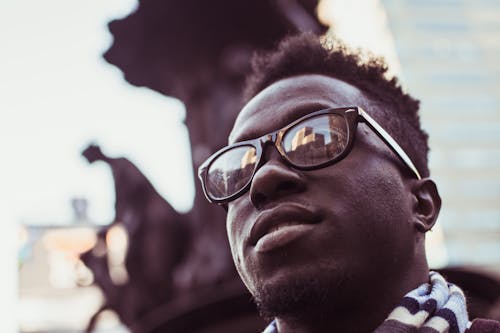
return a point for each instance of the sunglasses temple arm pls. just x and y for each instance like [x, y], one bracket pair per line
[387, 138]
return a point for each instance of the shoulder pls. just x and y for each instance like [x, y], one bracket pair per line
[484, 326]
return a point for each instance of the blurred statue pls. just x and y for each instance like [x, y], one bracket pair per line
[158, 240]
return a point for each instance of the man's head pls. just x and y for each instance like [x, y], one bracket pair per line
[313, 239]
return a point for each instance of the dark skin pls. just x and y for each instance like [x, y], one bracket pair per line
[365, 217]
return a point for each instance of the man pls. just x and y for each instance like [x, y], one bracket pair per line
[328, 198]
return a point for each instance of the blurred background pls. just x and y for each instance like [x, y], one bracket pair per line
[156, 90]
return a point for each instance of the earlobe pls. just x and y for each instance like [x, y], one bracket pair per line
[427, 204]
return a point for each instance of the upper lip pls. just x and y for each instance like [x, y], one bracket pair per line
[272, 217]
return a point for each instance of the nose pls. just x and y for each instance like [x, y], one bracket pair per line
[274, 179]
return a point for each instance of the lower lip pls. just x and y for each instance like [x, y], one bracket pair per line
[281, 237]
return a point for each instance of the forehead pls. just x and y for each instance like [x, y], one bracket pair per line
[289, 99]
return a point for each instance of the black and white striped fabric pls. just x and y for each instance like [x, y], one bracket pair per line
[434, 307]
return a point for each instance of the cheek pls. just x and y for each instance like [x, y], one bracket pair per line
[235, 233]
[232, 235]
[370, 205]
[386, 223]
[237, 215]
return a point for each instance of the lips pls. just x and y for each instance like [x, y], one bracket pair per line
[282, 217]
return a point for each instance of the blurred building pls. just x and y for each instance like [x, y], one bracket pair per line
[449, 55]
[53, 281]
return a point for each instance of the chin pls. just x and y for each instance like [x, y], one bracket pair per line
[297, 296]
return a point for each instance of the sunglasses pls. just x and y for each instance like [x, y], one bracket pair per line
[314, 141]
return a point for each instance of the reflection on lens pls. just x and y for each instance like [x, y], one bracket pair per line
[316, 140]
[231, 171]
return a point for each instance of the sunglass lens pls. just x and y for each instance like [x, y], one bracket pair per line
[316, 140]
[231, 171]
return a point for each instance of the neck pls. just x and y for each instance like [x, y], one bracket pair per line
[358, 312]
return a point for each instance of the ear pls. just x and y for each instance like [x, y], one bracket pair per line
[426, 205]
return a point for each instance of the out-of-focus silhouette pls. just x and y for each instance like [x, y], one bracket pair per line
[158, 241]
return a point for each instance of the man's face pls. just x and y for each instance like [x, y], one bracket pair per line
[301, 237]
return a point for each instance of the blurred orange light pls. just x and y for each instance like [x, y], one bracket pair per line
[117, 238]
[72, 241]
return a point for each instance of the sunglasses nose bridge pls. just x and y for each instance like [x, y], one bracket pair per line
[268, 138]
[268, 141]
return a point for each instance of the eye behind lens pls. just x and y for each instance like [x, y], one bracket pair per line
[231, 171]
[316, 140]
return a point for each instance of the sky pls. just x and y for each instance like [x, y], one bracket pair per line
[58, 95]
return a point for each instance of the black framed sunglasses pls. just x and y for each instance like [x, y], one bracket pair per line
[314, 141]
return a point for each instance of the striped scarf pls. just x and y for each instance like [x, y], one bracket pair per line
[434, 307]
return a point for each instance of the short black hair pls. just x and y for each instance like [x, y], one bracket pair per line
[306, 53]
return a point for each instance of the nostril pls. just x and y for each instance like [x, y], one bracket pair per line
[282, 188]
[274, 180]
